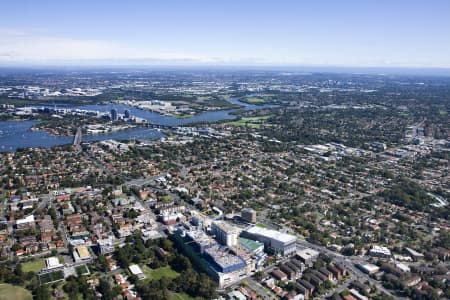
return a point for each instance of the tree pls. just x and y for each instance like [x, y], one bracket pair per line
[42, 293]
[180, 263]
[71, 287]
[102, 263]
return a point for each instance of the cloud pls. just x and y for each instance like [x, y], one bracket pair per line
[37, 46]
[21, 46]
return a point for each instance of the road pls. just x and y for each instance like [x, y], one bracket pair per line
[97, 163]
[349, 263]
[252, 284]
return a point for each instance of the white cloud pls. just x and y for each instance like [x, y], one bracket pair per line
[19, 46]
[38, 46]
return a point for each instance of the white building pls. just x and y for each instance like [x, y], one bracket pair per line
[225, 233]
[307, 256]
[281, 243]
[368, 268]
[52, 263]
[136, 270]
[106, 245]
[26, 222]
[380, 251]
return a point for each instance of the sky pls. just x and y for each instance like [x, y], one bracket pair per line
[352, 33]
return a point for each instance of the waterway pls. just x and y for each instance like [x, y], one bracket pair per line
[17, 134]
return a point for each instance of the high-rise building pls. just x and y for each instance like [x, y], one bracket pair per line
[78, 137]
[248, 215]
[113, 114]
[106, 245]
[225, 233]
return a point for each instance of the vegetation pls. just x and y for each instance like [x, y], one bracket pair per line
[408, 194]
[159, 273]
[8, 292]
[34, 265]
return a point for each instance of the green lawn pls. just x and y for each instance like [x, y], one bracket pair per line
[181, 116]
[34, 265]
[8, 292]
[253, 122]
[181, 296]
[159, 273]
[256, 99]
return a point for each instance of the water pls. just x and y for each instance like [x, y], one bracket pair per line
[14, 134]
[17, 134]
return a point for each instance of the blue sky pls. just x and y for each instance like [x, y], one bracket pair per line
[384, 33]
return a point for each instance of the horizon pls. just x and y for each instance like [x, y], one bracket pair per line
[312, 69]
[348, 34]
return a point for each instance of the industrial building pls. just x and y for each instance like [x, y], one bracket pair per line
[225, 233]
[278, 242]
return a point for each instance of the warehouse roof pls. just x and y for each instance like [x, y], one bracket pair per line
[272, 234]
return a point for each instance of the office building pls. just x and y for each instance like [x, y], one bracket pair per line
[106, 245]
[225, 234]
[114, 114]
[248, 215]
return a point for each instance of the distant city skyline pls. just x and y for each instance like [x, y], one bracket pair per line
[348, 33]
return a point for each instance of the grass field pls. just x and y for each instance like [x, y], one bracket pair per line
[254, 100]
[34, 265]
[261, 225]
[51, 277]
[181, 296]
[181, 116]
[159, 273]
[8, 292]
[253, 122]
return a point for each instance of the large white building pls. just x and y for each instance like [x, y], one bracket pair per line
[106, 245]
[380, 251]
[52, 263]
[281, 243]
[26, 222]
[225, 233]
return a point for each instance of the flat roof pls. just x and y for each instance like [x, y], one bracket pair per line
[223, 257]
[28, 219]
[52, 262]
[250, 244]
[307, 253]
[272, 234]
[135, 269]
[83, 252]
[369, 267]
[226, 227]
[413, 252]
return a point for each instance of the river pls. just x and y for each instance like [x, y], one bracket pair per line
[17, 134]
